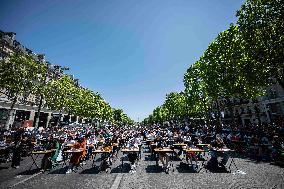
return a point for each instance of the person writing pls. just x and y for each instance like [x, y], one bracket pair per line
[78, 156]
[163, 156]
[216, 145]
[48, 158]
[132, 157]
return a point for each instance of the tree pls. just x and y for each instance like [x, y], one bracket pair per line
[175, 103]
[19, 74]
[261, 25]
[121, 118]
[59, 92]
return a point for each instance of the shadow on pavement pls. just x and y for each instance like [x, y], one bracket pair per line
[185, 168]
[217, 170]
[175, 157]
[153, 169]
[1, 168]
[93, 170]
[29, 172]
[119, 169]
[58, 171]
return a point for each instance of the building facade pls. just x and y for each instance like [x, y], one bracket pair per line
[263, 109]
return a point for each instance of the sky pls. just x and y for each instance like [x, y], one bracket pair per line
[133, 52]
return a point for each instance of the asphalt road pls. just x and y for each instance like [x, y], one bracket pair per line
[248, 174]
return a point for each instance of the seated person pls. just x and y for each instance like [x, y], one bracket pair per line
[163, 157]
[115, 140]
[216, 144]
[48, 158]
[90, 145]
[277, 153]
[264, 147]
[191, 155]
[78, 156]
[106, 157]
[132, 157]
[187, 138]
[179, 138]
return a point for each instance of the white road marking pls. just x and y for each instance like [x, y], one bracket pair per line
[22, 181]
[116, 182]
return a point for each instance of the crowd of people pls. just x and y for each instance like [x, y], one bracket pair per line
[260, 142]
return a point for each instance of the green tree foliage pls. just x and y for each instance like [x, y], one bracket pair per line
[121, 118]
[63, 94]
[241, 62]
[19, 74]
[261, 26]
[59, 93]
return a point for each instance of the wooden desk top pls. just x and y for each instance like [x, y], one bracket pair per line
[148, 140]
[102, 151]
[238, 142]
[179, 144]
[202, 144]
[126, 150]
[194, 150]
[42, 152]
[224, 150]
[69, 145]
[163, 150]
[73, 151]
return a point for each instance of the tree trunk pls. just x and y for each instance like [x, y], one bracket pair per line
[38, 111]
[11, 113]
[281, 82]
[59, 119]
[205, 112]
[232, 114]
[219, 119]
[231, 109]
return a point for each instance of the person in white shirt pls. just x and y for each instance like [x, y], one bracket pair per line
[132, 157]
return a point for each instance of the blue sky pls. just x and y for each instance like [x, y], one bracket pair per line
[133, 52]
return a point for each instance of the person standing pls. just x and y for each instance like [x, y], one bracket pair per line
[17, 150]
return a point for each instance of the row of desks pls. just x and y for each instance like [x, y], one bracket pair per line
[126, 151]
[195, 150]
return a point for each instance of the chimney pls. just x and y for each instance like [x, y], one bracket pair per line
[12, 35]
[41, 57]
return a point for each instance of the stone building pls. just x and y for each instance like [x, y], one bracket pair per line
[263, 109]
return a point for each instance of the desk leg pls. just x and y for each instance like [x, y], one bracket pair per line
[171, 162]
[64, 160]
[122, 163]
[232, 155]
[202, 166]
[232, 162]
[157, 158]
[34, 161]
[93, 160]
